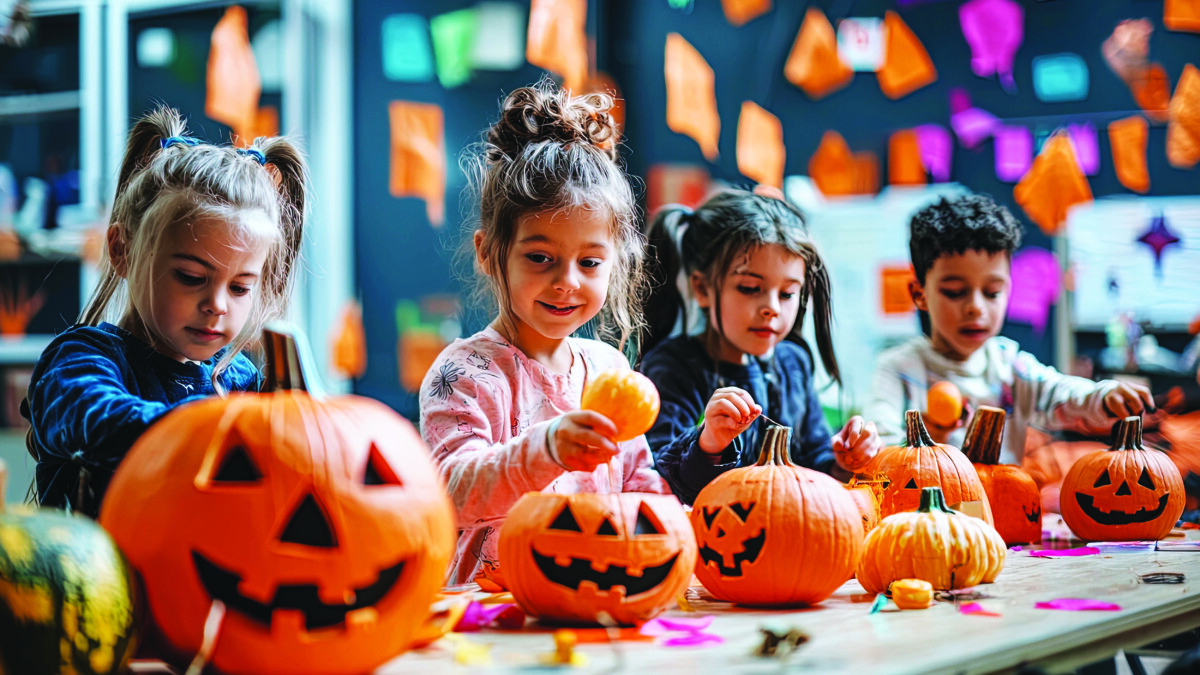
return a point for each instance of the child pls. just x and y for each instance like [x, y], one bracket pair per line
[557, 246]
[961, 252]
[200, 248]
[752, 268]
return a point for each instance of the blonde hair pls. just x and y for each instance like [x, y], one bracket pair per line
[164, 184]
[552, 151]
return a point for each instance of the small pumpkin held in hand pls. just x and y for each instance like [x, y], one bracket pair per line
[944, 547]
[1124, 494]
[911, 593]
[944, 403]
[626, 397]
[1015, 498]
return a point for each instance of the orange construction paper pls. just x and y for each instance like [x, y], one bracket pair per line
[904, 159]
[866, 173]
[418, 166]
[738, 12]
[906, 66]
[691, 95]
[1053, 185]
[832, 166]
[813, 65]
[760, 151]
[233, 81]
[1183, 131]
[894, 297]
[264, 124]
[676, 184]
[350, 343]
[556, 39]
[1182, 15]
[417, 350]
[1152, 91]
[1128, 140]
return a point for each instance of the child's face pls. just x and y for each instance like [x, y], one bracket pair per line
[558, 271]
[760, 298]
[966, 296]
[204, 287]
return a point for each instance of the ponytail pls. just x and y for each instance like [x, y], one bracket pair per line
[665, 304]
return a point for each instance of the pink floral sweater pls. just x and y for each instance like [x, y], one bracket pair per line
[485, 412]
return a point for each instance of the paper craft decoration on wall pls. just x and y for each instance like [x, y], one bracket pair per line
[813, 64]
[1053, 185]
[233, 82]
[995, 30]
[1037, 280]
[1127, 53]
[406, 52]
[738, 12]
[267, 44]
[504, 46]
[894, 297]
[350, 343]
[1087, 146]
[557, 40]
[1060, 77]
[1182, 15]
[937, 150]
[1183, 131]
[691, 95]
[760, 149]
[904, 159]
[972, 125]
[1014, 152]
[675, 184]
[155, 47]
[1157, 238]
[837, 171]
[418, 161]
[453, 41]
[907, 66]
[861, 42]
[1128, 140]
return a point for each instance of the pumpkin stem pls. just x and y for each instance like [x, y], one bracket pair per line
[932, 499]
[984, 433]
[288, 360]
[918, 435]
[1128, 434]
[775, 449]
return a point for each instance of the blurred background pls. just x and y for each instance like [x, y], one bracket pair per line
[926, 98]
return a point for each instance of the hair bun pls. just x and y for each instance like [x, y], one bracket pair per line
[544, 112]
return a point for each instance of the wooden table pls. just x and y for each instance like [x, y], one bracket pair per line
[844, 637]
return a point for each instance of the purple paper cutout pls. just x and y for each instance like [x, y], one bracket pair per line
[976, 608]
[1066, 552]
[936, 149]
[1158, 238]
[960, 100]
[662, 626]
[696, 639]
[1037, 279]
[478, 615]
[973, 126]
[994, 29]
[1018, 547]
[1079, 605]
[1087, 147]
[1014, 152]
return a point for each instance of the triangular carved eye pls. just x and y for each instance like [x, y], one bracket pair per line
[742, 510]
[1103, 479]
[565, 521]
[911, 484]
[237, 467]
[309, 526]
[606, 528]
[645, 523]
[378, 471]
[1145, 480]
[710, 515]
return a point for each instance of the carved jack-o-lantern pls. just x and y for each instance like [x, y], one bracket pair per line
[1128, 493]
[320, 524]
[1015, 499]
[776, 533]
[566, 558]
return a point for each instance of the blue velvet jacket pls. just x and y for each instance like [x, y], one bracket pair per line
[686, 377]
[93, 392]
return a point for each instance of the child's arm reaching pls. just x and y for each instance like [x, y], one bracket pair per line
[1052, 400]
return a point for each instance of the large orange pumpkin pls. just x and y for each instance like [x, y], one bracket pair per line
[320, 524]
[867, 494]
[1015, 498]
[1128, 493]
[921, 463]
[566, 558]
[775, 533]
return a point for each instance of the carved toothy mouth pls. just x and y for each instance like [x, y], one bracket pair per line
[753, 546]
[1086, 502]
[580, 570]
[1035, 516]
[221, 584]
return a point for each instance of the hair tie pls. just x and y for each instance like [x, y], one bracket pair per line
[178, 140]
[255, 153]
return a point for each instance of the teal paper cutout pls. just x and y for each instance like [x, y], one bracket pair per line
[453, 43]
[406, 54]
[1060, 77]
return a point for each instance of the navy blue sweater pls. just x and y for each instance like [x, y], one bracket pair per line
[686, 377]
[93, 392]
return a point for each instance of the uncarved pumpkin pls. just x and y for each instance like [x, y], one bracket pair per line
[944, 547]
[1014, 497]
[626, 397]
[1128, 493]
[566, 558]
[775, 533]
[320, 523]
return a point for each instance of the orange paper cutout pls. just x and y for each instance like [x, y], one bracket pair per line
[556, 39]
[676, 184]
[17, 308]
[266, 124]
[350, 343]
[1182, 15]
[904, 159]
[906, 66]
[760, 150]
[1152, 91]
[894, 297]
[418, 165]
[738, 12]
[417, 351]
[1053, 185]
[233, 81]
[837, 171]
[1128, 140]
[1183, 131]
[866, 173]
[691, 95]
[813, 64]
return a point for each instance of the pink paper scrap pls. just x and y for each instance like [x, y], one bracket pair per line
[478, 615]
[1066, 552]
[1079, 605]
[1037, 279]
[1014, 152]
[696, 639]
[1016, 548]
[937, 150]
[973, 126]
[995, 30]
[1087, 147]
[662, 626]
[976, 608]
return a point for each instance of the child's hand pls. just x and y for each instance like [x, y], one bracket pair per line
[1128, 399]
[728, 413]
[583, 440]
[940, 433]
[856, 444]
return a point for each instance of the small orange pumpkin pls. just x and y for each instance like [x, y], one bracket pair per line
[1015, 498]
[944, 403]
[775, 533]
[1128, 493]
[626, 397]
[911, 593]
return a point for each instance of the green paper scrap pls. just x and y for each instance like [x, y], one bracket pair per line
[680, 4]
[504, 47]
[406, 54]
[453, 43]
[880, 601]
[1060, 77]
